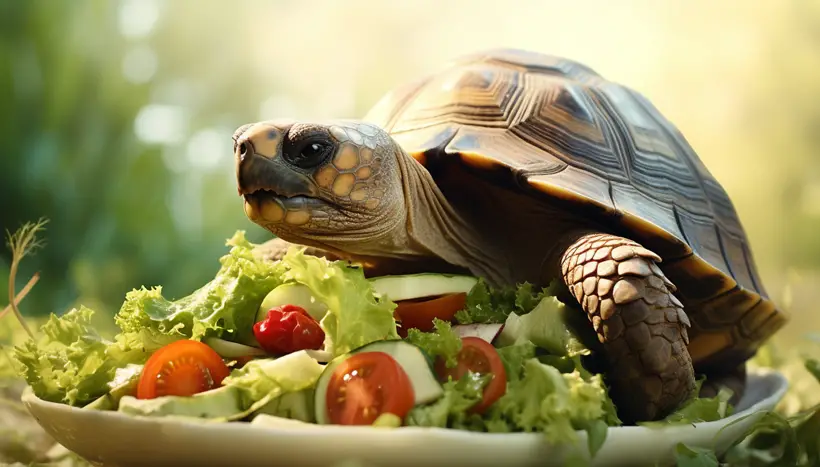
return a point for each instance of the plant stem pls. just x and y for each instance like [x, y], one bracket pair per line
[13, 299]
[22, 294]
[22, 242]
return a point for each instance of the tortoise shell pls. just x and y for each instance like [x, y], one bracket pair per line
[553, 128]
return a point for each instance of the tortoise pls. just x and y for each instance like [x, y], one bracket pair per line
[517, 166]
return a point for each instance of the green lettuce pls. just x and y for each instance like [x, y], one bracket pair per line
[545, 400]
[225, 307]
[538, 398]
[698, 409]
[74, 364]
[442, 342]
[260, 381]
[548, 326]
[71, 363]
[777, 439]
[514, 356]
[687, 456]
[492, 305]
[450, 410]
[355, 316]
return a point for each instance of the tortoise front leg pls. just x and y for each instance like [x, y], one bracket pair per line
[640, 323]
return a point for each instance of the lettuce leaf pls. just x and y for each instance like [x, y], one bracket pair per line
[545, 400]
[493, 305]
[266, 379]
[539, 398]
[74, 364]
[546, 326]
[777, 439]
[514, 356]
[450, 410]
[687, 456]
[225, 307]
[355, 316]
[442, 342]
[71, 363]
[698, 409]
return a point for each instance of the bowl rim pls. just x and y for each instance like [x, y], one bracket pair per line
[779, 383]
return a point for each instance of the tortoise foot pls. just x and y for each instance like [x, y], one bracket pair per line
[639, 321]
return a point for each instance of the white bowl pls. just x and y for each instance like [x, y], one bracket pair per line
[113, 439]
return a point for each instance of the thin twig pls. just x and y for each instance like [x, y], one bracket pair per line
[22, 242]
[22, 294]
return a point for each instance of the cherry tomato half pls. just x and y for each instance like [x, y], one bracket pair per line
[365, 386]
[419, 314]
[478, 356]
[182, 368]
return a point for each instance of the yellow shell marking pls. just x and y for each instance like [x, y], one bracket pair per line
[363, 173]
[372, 203]
[325, 176]
[347, 157]
[297, 217]
[358, 195]
[250, 211]
[272, 211]
[343, 184]
[367, 154]
[265, 139]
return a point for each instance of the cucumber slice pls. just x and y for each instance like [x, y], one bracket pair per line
[292, 293]
[124, 384]
[406, 287]
[487, 332]
[425, 386]
[321, 356]
[227, 349]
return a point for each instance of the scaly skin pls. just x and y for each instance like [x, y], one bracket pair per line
[640, 323]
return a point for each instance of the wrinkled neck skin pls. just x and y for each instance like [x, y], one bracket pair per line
[433, 229]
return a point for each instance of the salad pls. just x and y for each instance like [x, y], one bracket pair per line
[305, 340]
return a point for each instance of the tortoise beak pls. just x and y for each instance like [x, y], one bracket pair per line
[257, 174]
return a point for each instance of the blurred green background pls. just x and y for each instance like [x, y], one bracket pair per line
[116, 116]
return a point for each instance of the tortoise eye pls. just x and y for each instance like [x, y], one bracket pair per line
[311, 154]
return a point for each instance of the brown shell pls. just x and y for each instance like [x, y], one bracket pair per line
[557, 126]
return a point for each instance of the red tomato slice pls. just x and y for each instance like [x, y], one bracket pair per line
[478, 356]
[419, 314]
[365, 386]
[182, 368]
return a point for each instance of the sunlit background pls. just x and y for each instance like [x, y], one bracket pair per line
[116, 116]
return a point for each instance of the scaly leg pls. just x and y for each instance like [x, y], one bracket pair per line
[639, 321]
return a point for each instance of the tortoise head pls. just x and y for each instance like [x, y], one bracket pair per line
[331, 185]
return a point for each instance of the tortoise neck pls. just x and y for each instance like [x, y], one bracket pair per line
[434, 229]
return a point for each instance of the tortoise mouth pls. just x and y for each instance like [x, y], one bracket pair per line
[296, 202]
